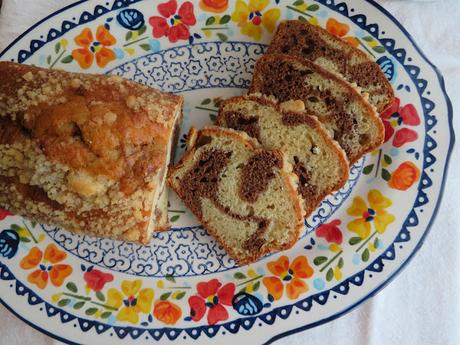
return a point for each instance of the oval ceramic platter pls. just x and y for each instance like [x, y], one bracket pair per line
[183, 287]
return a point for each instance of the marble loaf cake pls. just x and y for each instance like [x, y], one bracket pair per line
[340, 107]
[88, 153]
[312, 42]
[319, 162]
[243, 195]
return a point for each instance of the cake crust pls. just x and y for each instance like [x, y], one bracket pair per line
[85, 152]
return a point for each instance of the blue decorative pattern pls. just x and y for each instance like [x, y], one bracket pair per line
[196, 66]
[307, 303]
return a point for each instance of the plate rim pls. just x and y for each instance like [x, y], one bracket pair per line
[403, 264]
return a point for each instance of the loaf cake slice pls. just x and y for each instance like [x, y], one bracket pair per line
[348, 117]
[243, 195]
[303, 39]
[88, 153]
[318, 161]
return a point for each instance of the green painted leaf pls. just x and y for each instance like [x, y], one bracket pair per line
[386, 175]
[48, 59]
[78, 305]
[72, 287]
[368, 169]
[298, 3]
[213, 117]
[15, 227]
[365, 255]
[165, 296]
[145, 46]
[210, 20]
[354, 240]
[142, 30]
[128, 35]
[314, 7]
[319, 260]
[368, 38]
[106, 314]
[206, 101]
[100, 296]
[174, 218]
[67, 59]
[90, 311]
[340, 263]
[170, 278]
[225, 19]
[387, 159]
[57, 47]
[180, 295]
[256, 286]
[329, 274]
[64, 302]
[222, 37]
[239, 275]
[242, 290]
[376, 242]
[379, 49]
[24, 239]
[302, 19]
[34, 224]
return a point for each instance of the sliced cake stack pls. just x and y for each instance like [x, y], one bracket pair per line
[311, 110]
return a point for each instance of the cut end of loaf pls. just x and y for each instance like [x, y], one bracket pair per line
[243, 195]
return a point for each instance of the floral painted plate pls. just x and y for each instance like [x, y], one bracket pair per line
[183, 287]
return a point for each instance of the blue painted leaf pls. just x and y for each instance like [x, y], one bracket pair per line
[131, 19]
[388, 67]
[9, 241]
[246, 304]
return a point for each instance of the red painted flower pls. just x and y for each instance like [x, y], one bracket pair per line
[96, 279]
[395, 117]
[173, 23]
[330, 231]
[4, 214]
[214, 296]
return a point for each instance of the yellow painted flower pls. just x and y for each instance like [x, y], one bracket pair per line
[251, 17]
[134, 299]
[374, 212]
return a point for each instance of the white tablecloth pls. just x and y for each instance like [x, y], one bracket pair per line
[422, 305]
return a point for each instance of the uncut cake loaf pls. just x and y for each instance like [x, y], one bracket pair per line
[340, 107]
[243, 195]
[88, 153]
[319, 162]
[303, 39]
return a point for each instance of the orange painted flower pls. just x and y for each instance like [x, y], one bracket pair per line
[404, 176]
[91, 48]
[340, 30]
[167, 312]
[293, 274]
[48, 268]
[215, 6]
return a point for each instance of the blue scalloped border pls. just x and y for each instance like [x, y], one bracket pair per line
[306, 304]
